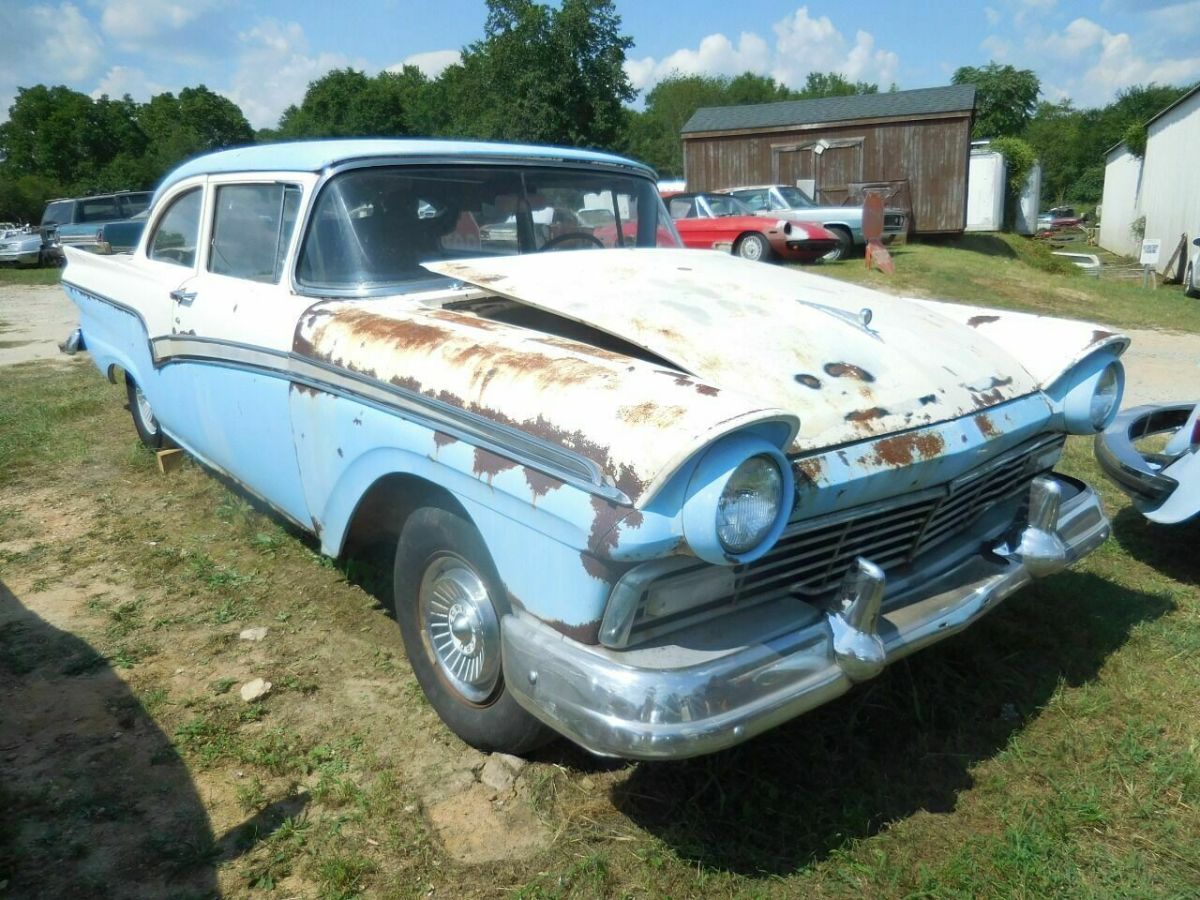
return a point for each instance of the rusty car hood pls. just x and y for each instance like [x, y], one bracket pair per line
[787, 339]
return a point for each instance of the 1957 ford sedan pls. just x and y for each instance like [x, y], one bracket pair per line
[655, 500]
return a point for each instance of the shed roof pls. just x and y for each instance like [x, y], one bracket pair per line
[316, 155]
[923, 101]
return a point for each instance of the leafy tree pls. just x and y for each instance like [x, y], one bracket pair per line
[197, 121]
[542, 74]
[1005, 98]
[348, 103]
[1019, 158]
[834, 84]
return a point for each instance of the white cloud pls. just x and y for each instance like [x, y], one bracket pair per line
[1109, 61]
[997, 48]
[51, 43]
[803, 44]
[432, 63]
[274, 68]
[121, 80]
[993, 16]
[134, 23]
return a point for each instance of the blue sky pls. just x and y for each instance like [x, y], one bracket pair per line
[263, 53]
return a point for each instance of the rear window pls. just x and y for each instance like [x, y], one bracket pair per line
[98, 209]
[132, 204]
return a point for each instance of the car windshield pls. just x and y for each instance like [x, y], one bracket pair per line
[794, 197]
[57, 213]
[373, 227]
[724, 205]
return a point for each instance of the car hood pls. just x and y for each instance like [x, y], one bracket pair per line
[850, 362]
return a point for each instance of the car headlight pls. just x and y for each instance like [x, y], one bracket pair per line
[749, 505]
[1090, 394]
[738, 499]
[1107, 396]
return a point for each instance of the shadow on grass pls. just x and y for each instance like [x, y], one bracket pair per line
[983, 244]
[904, 742]
[94, 798]
[1171, 549]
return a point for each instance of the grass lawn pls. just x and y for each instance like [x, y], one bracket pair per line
[1051, 750]
[1011, 272]
[23, 275]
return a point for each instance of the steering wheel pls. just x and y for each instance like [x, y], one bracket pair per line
[571, 236]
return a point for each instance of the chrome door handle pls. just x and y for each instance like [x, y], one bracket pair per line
[184, 297]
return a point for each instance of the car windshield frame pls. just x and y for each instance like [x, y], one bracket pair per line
[436, 210]
[794, 197]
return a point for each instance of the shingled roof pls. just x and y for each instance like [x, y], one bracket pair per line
[951, 98]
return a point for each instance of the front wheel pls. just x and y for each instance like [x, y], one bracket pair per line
[449, 603]
[144, 421]
[753, 247]
[845, 245]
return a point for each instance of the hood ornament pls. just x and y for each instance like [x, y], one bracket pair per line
[860, 320]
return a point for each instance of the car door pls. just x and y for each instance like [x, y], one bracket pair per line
[234, 326]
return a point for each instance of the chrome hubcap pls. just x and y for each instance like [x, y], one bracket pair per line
[751, 249]
[144, 411]
[460, 627]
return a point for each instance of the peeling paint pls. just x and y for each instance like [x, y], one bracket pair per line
[809, 381]
[809, 471]
[866, 415]
[976, 321]
[489, 465]
[539, 483]
[848, 370]
[985, 426]
[905, 449]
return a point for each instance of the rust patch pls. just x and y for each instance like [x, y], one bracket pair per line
[604, 536]
[976, 321]
[305, 389]
[407, 382]
[587, 633]
[490, 465]
[540, 484]
[441, 439]
[848, 370]
[809, 381]
[904, 449]
[707, 390]
[985, 426]
[866, 415]
[651, 413]
[1098, 336]
[809, 472]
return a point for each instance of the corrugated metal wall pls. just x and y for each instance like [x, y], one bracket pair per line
[1119, 207]
[1170, 196]
[931, 154]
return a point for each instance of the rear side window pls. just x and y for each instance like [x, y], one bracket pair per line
[178, 230]
[98, 209]
[132, 204]
[252, 226]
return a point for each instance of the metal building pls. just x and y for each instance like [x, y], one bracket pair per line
[917, 143]
[1159, 194]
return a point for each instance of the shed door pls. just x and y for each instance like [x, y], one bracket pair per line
[792, 163]
[838, 164]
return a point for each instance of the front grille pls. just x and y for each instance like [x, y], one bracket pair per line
[893, 221]
[814, 554]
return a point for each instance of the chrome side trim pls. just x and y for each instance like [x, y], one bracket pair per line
[428, 412]
[722, 682]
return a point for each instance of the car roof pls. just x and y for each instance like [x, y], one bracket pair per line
[315, 156]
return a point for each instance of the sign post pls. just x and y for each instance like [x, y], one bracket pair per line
[1149, 259]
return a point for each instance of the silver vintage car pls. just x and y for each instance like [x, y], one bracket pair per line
[655, 500]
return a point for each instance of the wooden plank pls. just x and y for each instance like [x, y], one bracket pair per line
[169, 460]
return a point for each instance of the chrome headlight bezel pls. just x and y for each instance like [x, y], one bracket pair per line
[1078, 391]
[700, 516]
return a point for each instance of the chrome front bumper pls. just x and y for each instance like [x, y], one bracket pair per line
[723, 684]
[20, 257]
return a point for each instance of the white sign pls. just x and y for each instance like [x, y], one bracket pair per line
[1150, 248]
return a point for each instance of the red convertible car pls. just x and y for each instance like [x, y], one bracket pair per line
[721, 222]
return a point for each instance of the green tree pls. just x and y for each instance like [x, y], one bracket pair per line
[542, 74]
[348, 103]
[1005, 98]
[197, 121]
[834, 84]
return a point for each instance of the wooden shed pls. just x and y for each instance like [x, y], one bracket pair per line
[912, 145]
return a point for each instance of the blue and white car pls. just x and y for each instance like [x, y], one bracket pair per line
[654, 500]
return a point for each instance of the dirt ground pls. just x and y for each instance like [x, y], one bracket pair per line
[64, 591]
